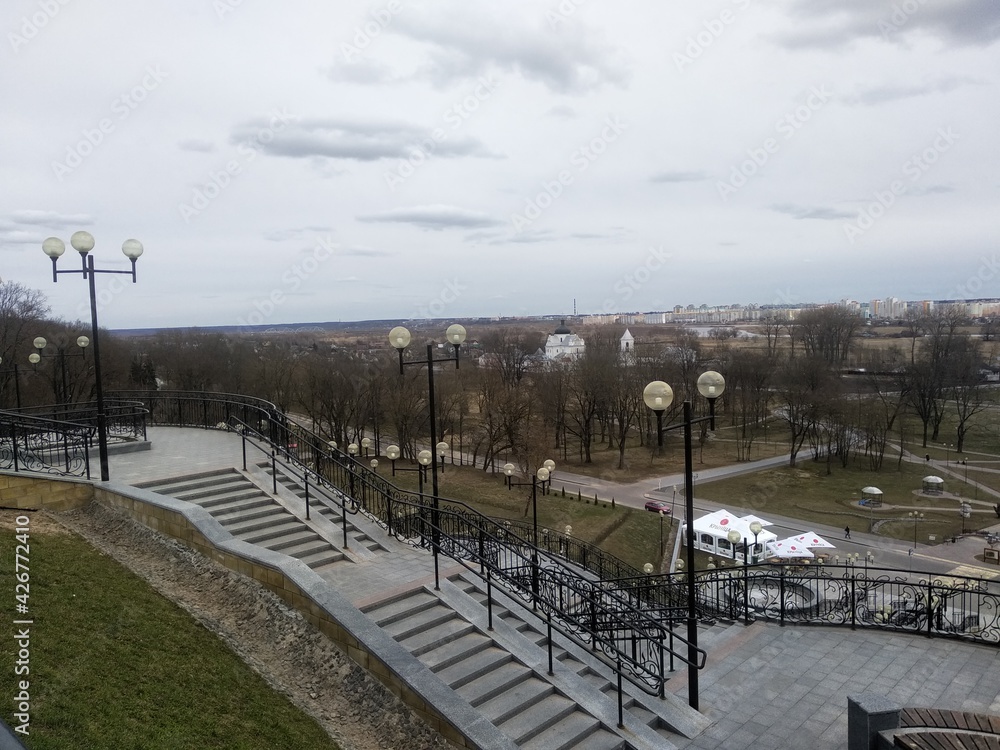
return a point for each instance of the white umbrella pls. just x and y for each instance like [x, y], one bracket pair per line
[789, 548]
[813, 541]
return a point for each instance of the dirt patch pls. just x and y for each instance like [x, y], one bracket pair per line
[275, 640]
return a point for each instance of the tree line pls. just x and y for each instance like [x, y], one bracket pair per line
[508, 403]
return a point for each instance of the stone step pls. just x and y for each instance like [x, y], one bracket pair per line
[318, 560]
[161, 485]
[265, 533]
[419, 622]
[278, 517]
[475, 666]
[221, 494]
[289, 540]
[398, 608]
[250, 510]
[505, 677]
[510, 703]
[570, 731]
[306, 548]
[455, 651]
[428, 640]
[537, 717]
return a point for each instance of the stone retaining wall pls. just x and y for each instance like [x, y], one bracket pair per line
[292, 580]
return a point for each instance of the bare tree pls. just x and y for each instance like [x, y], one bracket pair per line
[828, 332]
[21, 310]
[803, 385]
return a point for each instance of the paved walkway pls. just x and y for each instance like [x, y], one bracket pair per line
[786, 688]
[766, 687]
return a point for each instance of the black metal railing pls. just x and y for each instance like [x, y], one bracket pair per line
[882, 598]
[637, 644]
[48, 446]
[126, 420]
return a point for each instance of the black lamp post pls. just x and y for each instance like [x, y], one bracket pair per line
[17, 383]
[83, 243]
[541, 478]
[35, 357]
[658, 396]
[399, 337]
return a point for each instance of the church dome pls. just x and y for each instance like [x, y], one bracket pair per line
[562, 329]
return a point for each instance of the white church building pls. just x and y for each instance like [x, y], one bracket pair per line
[562, 343]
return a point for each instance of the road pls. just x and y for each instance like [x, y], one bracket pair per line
[957, 558]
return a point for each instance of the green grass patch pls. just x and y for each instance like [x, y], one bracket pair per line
[115, 665]
[627, 533]
[807, 492]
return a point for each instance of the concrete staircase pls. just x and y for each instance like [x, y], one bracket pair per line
[503, 672]
[319, 503]
[250, 514]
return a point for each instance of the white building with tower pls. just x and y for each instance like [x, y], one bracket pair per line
[562, 343]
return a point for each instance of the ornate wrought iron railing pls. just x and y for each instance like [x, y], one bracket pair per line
[883, 598]
[641, 647]
[126, 420]
[48, 446]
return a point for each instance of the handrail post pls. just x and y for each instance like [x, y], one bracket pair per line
[854, 604]
[781, 595]
[305, 480]
[930, 606]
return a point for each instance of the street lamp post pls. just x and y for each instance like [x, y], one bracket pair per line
[756, 527]
[539, 478]
[916, 516]
[658, 397]
[17, 383]
[399, 337]
[83, 243]
[662, 514]
[35, 357]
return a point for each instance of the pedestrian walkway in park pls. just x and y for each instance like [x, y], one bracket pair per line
[764, 686]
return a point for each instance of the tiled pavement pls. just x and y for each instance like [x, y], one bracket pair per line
[774, 687]
[767, 687]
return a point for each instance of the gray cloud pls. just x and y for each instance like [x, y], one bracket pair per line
[836, 23]
[49, 219]
[362, 141]
[433, 217]
[464, 44]
[889, 93]
[811, 212]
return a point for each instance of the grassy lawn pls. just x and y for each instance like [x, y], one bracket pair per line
[115, 665]
[641, 461]
[632, 535]
[807, 492]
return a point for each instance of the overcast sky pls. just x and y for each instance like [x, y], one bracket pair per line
[309, 161]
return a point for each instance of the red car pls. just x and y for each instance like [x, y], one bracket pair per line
[658, 506]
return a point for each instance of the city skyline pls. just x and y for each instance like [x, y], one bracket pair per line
[406, 159]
